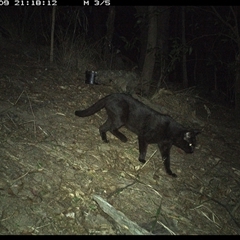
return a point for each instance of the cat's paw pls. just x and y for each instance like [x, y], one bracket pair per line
[171, 174]
[141, 160]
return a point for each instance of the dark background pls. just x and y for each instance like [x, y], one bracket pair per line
[210, 45]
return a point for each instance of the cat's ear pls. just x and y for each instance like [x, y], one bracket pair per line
[191, 133]
[187, 135]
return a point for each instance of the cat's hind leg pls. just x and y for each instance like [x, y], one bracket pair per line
[119, 135]
[115, 125]
[103, 130]
[113, 128]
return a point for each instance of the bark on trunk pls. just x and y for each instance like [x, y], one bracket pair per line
[184, 57]
[110, 30]
[162, 42]
[237, 89]
[149, 60]
[52, 33]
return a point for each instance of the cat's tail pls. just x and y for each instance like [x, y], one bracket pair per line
[93, 109]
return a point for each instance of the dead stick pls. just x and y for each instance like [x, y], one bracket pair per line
[19, 178]
[34, 118]
[12, 120]
[148, 160]
[19, 97]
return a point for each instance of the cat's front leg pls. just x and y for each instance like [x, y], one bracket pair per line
[166, 161]
[165, 152]
[104, 136]
[142, 149]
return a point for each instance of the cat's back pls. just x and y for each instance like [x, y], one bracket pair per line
[124, 97]
[133, 106]
[120, 96]
[117, 98]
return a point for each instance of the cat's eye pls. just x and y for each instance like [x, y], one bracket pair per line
[190, 144]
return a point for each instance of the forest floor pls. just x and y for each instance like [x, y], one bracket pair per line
[54, 167]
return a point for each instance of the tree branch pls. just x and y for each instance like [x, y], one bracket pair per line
[236, 21]
[226, 23]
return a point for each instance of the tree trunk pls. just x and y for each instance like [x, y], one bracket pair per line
[237, 89]
[110, 30]
[149, 60]
[237, 80]
[97, 22]
[162, 42]
[184, 57]
[234, 28]
[142, 12]
[52, 33]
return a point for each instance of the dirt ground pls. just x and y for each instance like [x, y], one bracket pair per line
[53, 163]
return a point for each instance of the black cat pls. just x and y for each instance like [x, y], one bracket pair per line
[149, 125]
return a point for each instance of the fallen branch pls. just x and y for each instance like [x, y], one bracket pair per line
[120, 218]
[34, 118]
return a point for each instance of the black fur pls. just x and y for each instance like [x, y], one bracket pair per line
[149, 125]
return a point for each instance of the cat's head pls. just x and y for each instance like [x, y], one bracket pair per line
[187, 140]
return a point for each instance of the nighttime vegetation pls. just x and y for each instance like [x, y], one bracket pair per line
[182, 61]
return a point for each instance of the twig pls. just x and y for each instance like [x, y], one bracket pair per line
[120, 189]
[30, 121]
[147, 160]
[6, 127]
[43, 131]
[205, 215]
[218, 202]
[157, 215]
[61, 114]
[43, 226]
[173, 233]
[19, 97]
[34, 118]
[13, 104]
[12, 120]
[148, 185]
[235, 208]
[4, 219]
[19, 178]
